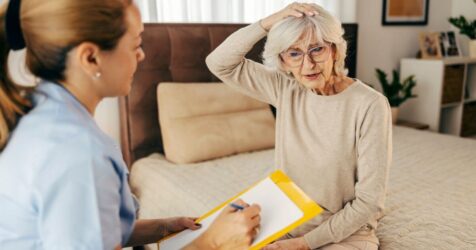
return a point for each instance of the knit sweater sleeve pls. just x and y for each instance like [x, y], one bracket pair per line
[228, 63]
[374, 152]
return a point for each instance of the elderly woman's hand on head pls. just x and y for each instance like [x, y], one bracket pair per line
[291, 244]
[295, 9]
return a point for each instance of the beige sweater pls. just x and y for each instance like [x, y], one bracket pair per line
[336, 148]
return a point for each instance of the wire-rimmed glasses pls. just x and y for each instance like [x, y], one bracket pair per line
[294, 57]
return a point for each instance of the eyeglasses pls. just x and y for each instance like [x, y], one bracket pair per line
[295, 57]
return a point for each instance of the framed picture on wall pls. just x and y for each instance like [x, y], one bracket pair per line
[405, 12]
[430, 45]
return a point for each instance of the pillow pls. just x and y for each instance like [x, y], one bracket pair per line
[202, 121]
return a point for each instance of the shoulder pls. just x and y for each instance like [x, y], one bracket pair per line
[367, 92]
[367, 97]
[49, 142]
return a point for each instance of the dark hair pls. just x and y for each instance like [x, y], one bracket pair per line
[50, 30]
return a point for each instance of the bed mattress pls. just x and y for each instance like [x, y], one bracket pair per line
[431, 198]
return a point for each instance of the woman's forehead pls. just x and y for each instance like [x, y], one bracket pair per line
[308, 38]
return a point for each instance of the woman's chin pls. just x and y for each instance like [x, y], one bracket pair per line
[128, 87]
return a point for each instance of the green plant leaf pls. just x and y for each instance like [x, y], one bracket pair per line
[397, 92]
[465, 27]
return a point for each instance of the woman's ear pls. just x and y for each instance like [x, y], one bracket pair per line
[88, 59]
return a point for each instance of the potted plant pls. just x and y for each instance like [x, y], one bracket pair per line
[397, 92]
[467, 28]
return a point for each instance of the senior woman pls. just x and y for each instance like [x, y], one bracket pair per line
[333, 133]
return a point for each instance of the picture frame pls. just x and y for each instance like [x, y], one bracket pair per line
[405, 12]
[430, 45]
[448, 44]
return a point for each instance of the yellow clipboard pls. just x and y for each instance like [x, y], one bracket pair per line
[290, 190]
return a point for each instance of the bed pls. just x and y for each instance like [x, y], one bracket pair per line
[431, 200]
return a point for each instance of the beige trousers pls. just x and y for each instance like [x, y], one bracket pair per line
[351, 245]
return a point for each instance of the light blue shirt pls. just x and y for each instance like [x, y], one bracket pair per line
[63, 183]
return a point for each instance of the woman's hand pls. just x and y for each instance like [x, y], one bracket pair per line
[149, 231]
[232, 229]
[177, 224]
[295, 9]
[291, 244]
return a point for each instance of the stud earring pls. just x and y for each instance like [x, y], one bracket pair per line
[97, 75]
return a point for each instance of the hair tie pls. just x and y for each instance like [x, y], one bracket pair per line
[12, 26]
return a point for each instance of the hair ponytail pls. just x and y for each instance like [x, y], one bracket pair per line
[12, 103]
[49, 30]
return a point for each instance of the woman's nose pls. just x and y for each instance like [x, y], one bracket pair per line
[308, 62]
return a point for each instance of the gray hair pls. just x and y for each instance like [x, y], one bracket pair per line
[287, 32]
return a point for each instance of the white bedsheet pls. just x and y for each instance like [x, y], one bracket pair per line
[431, 200]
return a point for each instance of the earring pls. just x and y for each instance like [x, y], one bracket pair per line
[97, 75]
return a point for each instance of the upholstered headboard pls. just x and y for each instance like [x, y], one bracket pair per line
[176, 53]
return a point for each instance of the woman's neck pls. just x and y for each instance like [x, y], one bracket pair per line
[333, 86]
[84, 95]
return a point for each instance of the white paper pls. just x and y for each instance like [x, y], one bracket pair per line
[277, 212]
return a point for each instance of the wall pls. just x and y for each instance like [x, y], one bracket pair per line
[466, 8]
[107, 117]
[383, 46]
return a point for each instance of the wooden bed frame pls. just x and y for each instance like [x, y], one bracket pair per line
[176, 53]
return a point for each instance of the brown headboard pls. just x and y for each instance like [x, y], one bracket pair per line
[176, 53]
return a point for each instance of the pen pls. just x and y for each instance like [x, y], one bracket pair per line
[236, 206]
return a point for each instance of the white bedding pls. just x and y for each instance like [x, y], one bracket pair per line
[431, 200]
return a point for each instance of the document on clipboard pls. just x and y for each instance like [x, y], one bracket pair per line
[284, 206]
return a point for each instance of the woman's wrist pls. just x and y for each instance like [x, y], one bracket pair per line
[161, 228]
[304, 243]
[202, 242]
[268, 22]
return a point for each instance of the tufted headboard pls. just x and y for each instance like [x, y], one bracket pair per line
[176, 53]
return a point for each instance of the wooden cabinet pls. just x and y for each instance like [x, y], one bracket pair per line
[446, 92]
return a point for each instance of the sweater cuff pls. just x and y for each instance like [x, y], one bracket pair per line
[317, 238]
[259, 22]
[257, 29]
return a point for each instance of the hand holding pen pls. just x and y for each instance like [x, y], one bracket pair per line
[233, 229]
[237, 207]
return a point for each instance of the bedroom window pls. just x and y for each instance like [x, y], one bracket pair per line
[230, 11]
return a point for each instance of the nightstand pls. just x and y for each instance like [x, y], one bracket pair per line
[415, 125]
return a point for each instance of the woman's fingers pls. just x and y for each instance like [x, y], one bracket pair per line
[252, 211]
[295, 13]
[273, 246]
[239, 202]
[255, 221]
[189, 222]
[304, 8]
[315, 7]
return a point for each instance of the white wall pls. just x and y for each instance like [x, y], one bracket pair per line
[107, 117]
[466, 8]
[383, 46]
